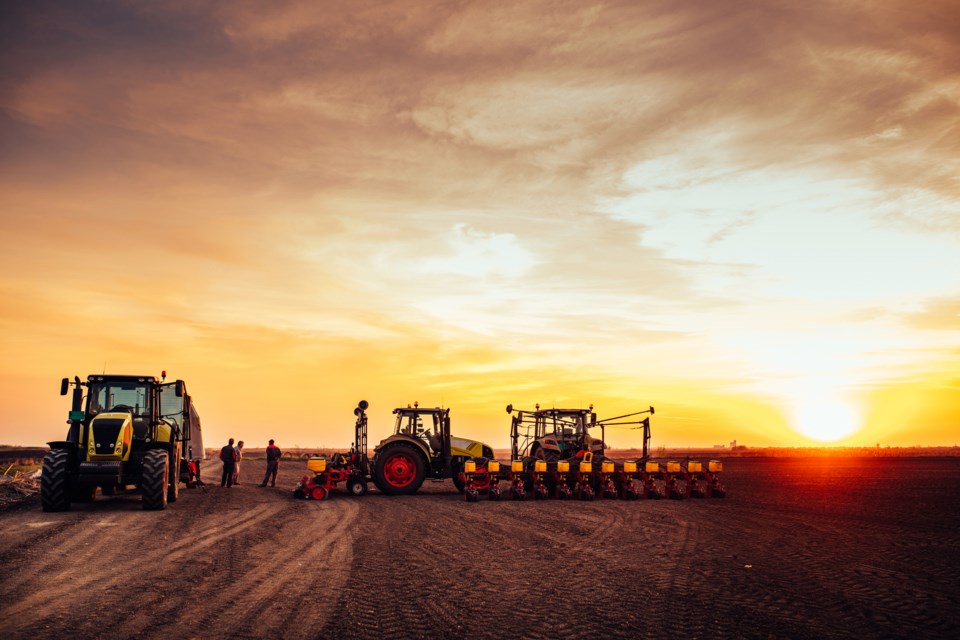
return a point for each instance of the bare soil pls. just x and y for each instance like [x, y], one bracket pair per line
[800, 548]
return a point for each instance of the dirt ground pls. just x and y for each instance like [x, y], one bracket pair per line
[800, 548]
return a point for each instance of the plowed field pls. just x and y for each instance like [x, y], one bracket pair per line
[800, 548]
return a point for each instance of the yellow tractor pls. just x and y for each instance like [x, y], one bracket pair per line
[125, 431]
[421, 447]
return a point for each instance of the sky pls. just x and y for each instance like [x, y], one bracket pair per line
[746, 214]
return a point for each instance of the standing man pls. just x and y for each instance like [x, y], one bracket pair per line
[273, 465]
[236, 472]
[229, 457]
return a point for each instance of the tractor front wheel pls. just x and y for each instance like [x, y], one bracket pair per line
[54, 494]
[400, 470]
[153, 483]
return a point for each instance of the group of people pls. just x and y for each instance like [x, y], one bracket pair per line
[231, 456]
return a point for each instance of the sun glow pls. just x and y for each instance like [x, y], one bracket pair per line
[826, 419]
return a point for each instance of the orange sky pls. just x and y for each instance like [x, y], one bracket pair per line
[745, 214]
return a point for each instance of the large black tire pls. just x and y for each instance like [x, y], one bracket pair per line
[153, 484]
[400, 470]
[173, 488]
[455, 471]
[54, 490]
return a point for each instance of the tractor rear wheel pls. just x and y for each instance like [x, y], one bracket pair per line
[54, 495]
[173, 477]
[153, 483]
[400, 470]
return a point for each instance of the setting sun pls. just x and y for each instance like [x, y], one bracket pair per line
[825, 419]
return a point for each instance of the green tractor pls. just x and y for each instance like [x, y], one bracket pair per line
[126, 430]
[421, 447]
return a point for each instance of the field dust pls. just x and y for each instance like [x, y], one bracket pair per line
[800, 548]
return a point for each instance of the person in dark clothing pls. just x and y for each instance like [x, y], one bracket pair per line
[229, 457]
[273, 465]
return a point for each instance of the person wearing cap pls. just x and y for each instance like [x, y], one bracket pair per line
[273, 465]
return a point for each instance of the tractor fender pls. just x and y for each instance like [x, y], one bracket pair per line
[400, 437]
[73, 453]
[63, 444]
[164, 432]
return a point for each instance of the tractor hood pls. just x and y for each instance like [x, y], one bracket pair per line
[468, 448]
[110, 436]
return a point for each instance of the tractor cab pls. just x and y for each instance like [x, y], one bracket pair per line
[135, 411]
[555, 434]
[558, 434]
[124, 404]
[430, 426]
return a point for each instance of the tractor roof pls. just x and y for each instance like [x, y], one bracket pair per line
[560, 412]
[408, 411]
[119, 378]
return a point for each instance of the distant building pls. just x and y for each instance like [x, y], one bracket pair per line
[719, 446]
[733, 444]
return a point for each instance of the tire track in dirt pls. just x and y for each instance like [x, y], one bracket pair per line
[47, 534]
[256, 564]
[87, 550]
[320, 562]
[525, 561]
[250, 562]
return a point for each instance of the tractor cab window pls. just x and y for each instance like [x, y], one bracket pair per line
[119, 396]
[565, 425]
[171, 406]
[414, 424]
[425, 426]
